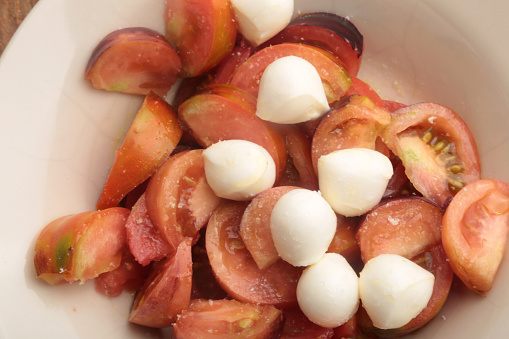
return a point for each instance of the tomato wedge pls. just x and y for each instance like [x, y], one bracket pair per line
[410, 227]
[236, 270]
[179, 199]
[145, 241]
[475, 230]
[203, 31]
[134, 60]
[167, 290]
[220, 319]
[255, 226]
[436, 147]
[355, 121]
[81, 246]
[335, 78]
[152, 136]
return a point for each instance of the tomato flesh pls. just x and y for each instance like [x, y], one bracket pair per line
[81, 246]
[152, 136]
[236, 270]
[227, 319]
[167, 290]
[475, 230]
[436, 147]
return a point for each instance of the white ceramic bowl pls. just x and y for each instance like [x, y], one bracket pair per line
[58, 137]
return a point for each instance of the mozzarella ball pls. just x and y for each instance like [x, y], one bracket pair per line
[394, 290]
[328, 291]
[302, 225]
[291, 91]
[260, 20]
[353, 180]
[238, 169]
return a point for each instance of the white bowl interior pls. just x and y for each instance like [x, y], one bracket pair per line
[59, 136]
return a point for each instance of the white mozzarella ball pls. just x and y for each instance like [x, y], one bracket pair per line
[238, 169]
[394, 290]
[328, 291]
[260, 20]
[291, 91]
[302, 225]
[353, 180]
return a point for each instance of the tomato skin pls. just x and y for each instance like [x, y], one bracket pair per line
[205, 319]
[167, 290]
[298, 326]
[81, 246]
[440, 166]
[229, 65]
[355, 121]
[345, 241]
[360, 87]
[145, 241]
[334, 76]
[255, 229]
[299, 169]
[475, 231]
[235, 269]
[134, 60]
[224, 112]
[203, 31]
[152, 136]
[178, 197]
[129, 276]
[410, 227]
[320, 37]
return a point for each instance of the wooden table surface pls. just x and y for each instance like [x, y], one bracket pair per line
[12, 13]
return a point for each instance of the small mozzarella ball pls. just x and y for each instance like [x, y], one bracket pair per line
[238, 169]
[302, 225]
[353, 180]
[291, 91]
[328, 291]
[260, 20]
[394, 290]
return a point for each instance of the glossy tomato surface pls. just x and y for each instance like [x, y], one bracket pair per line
[236, 270]
[475, 230]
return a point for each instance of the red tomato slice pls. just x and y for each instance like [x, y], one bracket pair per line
[359, 87]
[81, 246]
[227, 319]
[179, 199]
[299, 166]
[224, 112]
[134, 60]
[475, 230]
[151, 138]
[225, 70]
[345, 241]
[255, 226]
[436, 147]
[406, 226]
[167, 290]
[410, 227]
[323, 38]
[130, 275]
[298, 326]
[335, 79]
[355, 121]
[145, 241]
[236, 270]
[435, 261]
[204, 32]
